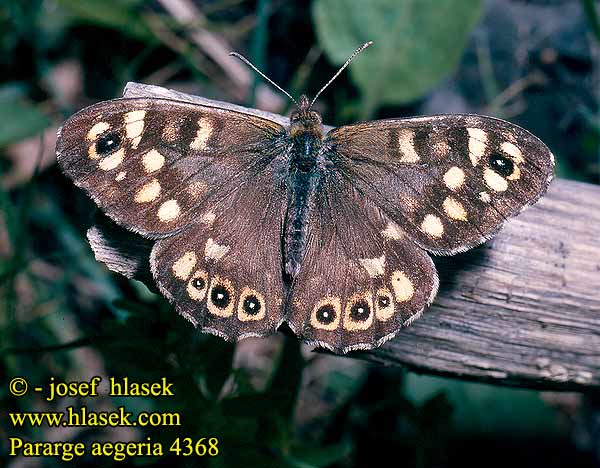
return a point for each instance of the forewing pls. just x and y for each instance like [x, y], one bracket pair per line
[449, 181]
[153, 164]
[361, 278]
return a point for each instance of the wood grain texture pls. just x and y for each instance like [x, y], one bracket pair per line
[522, 310]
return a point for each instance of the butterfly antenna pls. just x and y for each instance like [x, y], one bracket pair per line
[247, 62]
[354, 54]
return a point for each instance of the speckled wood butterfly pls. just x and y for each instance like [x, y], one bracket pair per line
[255, 223]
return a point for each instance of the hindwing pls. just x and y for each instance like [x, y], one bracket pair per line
[361, 278]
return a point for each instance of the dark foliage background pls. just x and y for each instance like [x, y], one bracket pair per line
[271, 403]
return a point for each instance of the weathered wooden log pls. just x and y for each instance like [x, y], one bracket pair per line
[522, 310]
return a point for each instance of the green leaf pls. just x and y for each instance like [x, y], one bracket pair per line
[416, 43]
[19, 118]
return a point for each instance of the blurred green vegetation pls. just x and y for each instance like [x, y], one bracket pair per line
[418, 44]
[272, 404]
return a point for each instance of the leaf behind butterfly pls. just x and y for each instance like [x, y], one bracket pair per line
[416, 43]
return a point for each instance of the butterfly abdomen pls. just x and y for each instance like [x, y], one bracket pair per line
[304, 174]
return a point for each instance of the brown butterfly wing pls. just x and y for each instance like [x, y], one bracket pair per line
[209, 184]
[449, 181]
[361, 278]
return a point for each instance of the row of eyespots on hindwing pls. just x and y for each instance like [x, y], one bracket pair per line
[361, 309]
[222, 299]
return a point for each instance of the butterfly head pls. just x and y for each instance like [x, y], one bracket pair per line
[303, 119]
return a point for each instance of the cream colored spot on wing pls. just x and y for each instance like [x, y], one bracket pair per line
[432, 225]
[454, 178]
[92, 152]
[477, 144]
[197, 188]
[406, 146]
[214, 251]
[97, 129]
[134, 126]
[208, 218]
[205, 128]
[251, 314]
[384, 312]
[402, 286]
[360, 301]
[112, 161]
[195, 292]
[454, 209]
[149, 192]
[184, 265]
[494, 180]
[153, 161]
[336, 305]
[392, 231]
[212, 307]
[375, 266]
[169, 210]
[516, 174]
[485, 197]
[512, 151]
[120, 176]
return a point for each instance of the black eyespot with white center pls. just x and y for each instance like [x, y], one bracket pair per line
[326, 314]
[108, 143]
[383, 301]
[198, 283]
[501, 164]
[384, 305]
[360, 311]
[251, 305]
[220, 296]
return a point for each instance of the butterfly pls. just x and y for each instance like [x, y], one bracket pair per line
[256, 223]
